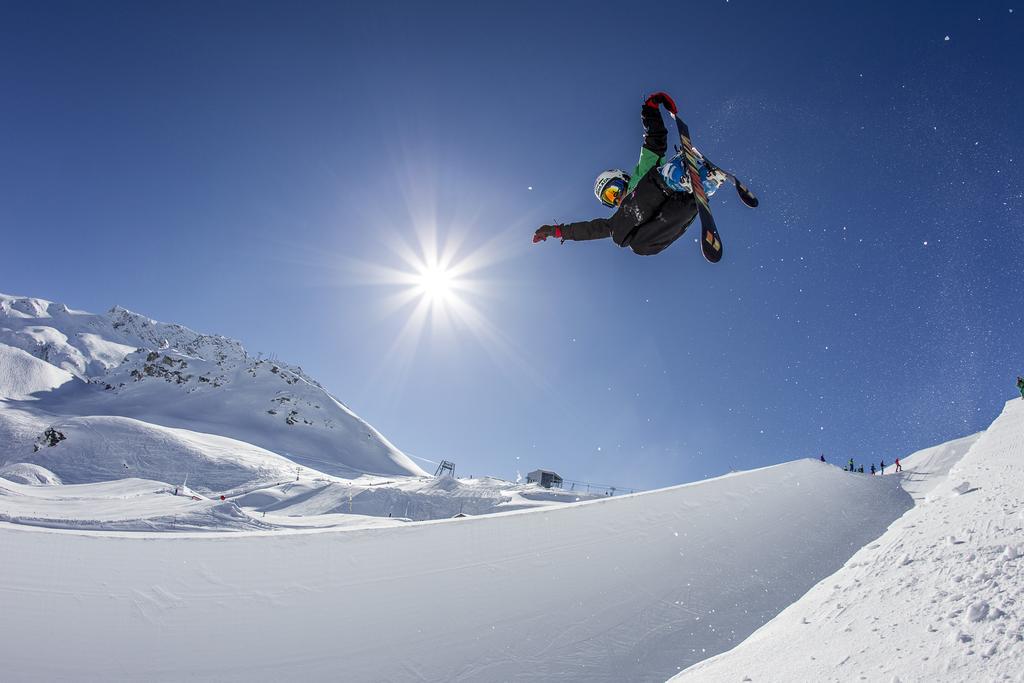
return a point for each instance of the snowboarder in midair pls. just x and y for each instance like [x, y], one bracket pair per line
[654, 205]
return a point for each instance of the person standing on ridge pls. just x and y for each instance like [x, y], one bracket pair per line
[851, 465]
[872, 469]
[654, 205]
[823, 457]
[882, 466]
[899, 467]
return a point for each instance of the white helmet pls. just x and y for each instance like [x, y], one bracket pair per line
[611, 187]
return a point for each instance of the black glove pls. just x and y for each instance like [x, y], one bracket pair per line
[546, 231]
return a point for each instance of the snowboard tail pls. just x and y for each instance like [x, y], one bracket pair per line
[746, 196]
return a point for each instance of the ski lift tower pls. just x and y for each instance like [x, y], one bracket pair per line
[446, 466]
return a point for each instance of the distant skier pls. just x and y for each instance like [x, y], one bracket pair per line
[872, 469]
[851, 465]
[654, 205]
[899, 467]
[1020, 385]
[881, 465]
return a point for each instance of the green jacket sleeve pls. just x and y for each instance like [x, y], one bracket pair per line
[648, 160]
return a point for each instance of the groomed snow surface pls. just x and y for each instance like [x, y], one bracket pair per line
[629, 588]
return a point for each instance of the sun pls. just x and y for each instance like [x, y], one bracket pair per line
[440, 281]
[436, 283]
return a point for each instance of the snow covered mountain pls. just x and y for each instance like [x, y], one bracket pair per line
[132, 397]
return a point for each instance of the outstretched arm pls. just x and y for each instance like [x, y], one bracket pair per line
[583, 230]
[596, 229]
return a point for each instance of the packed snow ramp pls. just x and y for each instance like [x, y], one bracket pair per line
[632, 588]
[939, 597]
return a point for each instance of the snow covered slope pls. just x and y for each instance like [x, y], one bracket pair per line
[123, 505]
[29, 474]
[939, 597]
[168, 376]
[408, 498]
[97, 449]
[617, 589]
[927, 468]
[23, 376]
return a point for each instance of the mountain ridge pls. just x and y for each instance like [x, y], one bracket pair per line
[130, 366]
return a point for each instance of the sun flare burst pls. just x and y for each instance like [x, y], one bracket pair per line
[436, 284]
[440, 281]
[444, 296]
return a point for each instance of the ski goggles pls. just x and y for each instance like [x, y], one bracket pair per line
[612, 193]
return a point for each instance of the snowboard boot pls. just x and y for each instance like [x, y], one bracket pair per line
[674, 173]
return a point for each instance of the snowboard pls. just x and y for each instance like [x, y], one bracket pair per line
[710, 240]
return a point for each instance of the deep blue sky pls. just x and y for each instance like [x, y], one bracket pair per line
[234, 166]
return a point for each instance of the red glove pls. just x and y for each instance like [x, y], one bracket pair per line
[664, 98]
[546, 231]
